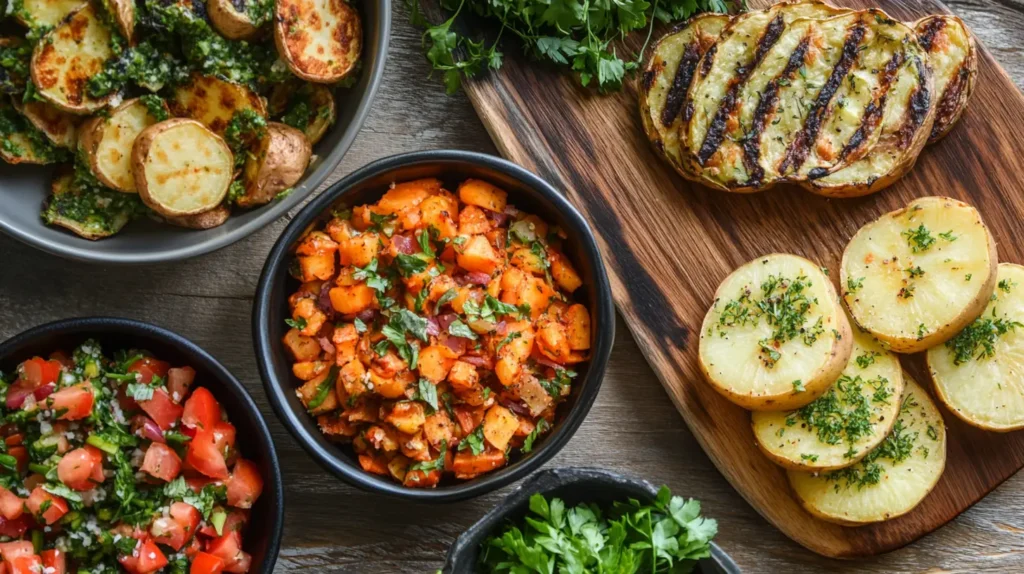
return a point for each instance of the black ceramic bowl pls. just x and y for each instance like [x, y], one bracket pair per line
[527, 192]
[263, 533]
[574, 486]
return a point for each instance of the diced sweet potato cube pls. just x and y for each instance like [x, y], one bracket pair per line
[308, 290]
[552, 340]
[535, 225]
[468, 418]
[311, 391]
[361, 220]
[418, 478]
[301, 347]
[513, 281]
[499, 426]
[525, 259]
[346, 340]
[359, 250]
[438, 428]
[382, 438]
[563, 273]
[306, 311]
[439, 212]
[468, 465]
[389, 388]
[351, 300]
[473, 221]
[307, 370]
[335, 426]
[439, 286]
[514, 353]
[537, 294]
[417, 281]
[463, 376]
[352, 378]
[340, 230]
[398, 467]
[415, 447]
[316, 243]
[389, 364]
[434, 364]
[408, 194]
[478, 255]
[494, 286]
[465, 294]
[407, 417]
[577, 324]
[482, 194]
[376, 464]
[366, 410]
[313, 267]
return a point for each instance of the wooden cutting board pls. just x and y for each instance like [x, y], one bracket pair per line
[668, 243]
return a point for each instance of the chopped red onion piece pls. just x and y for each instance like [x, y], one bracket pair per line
[405, 244]
[433, 328]
[327, 345]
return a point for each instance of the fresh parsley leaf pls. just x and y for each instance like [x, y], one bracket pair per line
[541, 428]
[427, 392]
[474, 441]
[299, 323]
[409, 265]
[460, 329]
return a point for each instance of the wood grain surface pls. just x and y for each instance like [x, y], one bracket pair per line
[633, 427]
[669, 243]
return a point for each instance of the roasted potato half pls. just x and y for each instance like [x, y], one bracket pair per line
[776, 337]
[60, 127]
[953, 56]
[232, 18]
[123, 14]
[320, 40]
[916, 276]
[181, 167]
[892, 479]
[852, 418]
[307, 107]
[21, 142]
[666, 79]
[279, 162]
[70, 54]
[94, 214]
[205, 220]
[107, 143]
[213, 101]
[46, 13]
[979, 373]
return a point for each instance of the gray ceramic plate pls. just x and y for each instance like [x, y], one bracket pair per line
[23, 188]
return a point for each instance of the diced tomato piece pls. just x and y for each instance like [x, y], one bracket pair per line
[147, 367]
[161, 462]
[54, 559]
[179, 379]
[242, 565]
[194, 547]
[164, 412]
[203, 455]
[151, 558]
[202, 411]
[204, 563]
[17, 527]
[15, 439]
[229, 549]
[38, 372]
[168, 531]
[20, 454]
[17, 393]
[44, 391]
[196, 483]
[129, 563]
[73, 403]
[244, 485]
[11, 505]
[224, 436]
[54, 511]
[82, 468]
[30, 564]
[11, 550]
[187, 516]
[235, 522]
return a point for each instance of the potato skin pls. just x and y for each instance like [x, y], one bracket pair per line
[91, 135]
[949, 112]
[205, 220]
[231, 23]
[123, 12]
[279, 163]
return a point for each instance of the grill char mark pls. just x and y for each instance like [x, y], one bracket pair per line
[927, 36]
[716, 131]
[765, 107]
[681, 84]
[950, 98]
[801, 146]
[705, 67]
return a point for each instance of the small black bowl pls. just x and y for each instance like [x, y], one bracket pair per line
[574, 486]
[527, 192]
[263, 533]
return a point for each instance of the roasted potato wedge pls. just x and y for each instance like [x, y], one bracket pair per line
[60, 127]
[306, 107]
[181, 167]
[213, 101]
[21, 142]
[107, 143]
[916, 276]
[843, 425]
[278, 163]
[67, 57]
[92, 214]
[953, 56]
[123, 14]
[666, 79]
[232, 19]
[776, 337]
[892, 479]
[320, 40]
[979, 373]
[205, 220]
[46, 13]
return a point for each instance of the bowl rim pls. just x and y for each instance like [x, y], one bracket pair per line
[221, 373]
[82, 250]
[277, 262]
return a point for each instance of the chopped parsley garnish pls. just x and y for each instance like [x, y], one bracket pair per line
[854, 285]
[1006, 284]
[978, 339]
[541, 427]
[867, 359]
[919, 238]
[299, 323]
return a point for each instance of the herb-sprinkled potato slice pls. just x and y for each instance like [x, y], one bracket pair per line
[845, 423]
[239, 19]
[892, 479]
[107, 141]
[954, 60]
[308, 107]
[89, 213]
[44, 13]
[979, 373]
[123, 14]
[181, 167]
[60, 127]
[67, 57]
[776, 337]
[279, 162]
[320, 40]
[213, 101]
[918, 275]
[21, 142]
[15, 58]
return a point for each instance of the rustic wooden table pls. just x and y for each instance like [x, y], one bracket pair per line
[633, 427]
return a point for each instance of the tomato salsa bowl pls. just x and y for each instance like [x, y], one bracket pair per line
[147, 396]
[434, 326]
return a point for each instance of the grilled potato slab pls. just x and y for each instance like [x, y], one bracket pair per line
[205, 220]
[92, 214]
[67, 57]
[307, 107]
[907, 121]
[231, 18]
[320, 40]
[852, 418]
[213, 102]
[60, 127]
[107, 144]
[979, 373]
[776, 337]
[181, 167]
[667, 77]
[954, 60]
[277, 164]
[916, 276]
[892, 479]
[46, 13]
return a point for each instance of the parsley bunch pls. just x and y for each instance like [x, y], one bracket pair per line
[668, 535]
[576, 34]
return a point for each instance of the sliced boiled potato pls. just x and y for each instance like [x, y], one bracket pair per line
[67, 57]
[92, 214]
[60, 127]
[181, 167]
[232, 18]
[320, 40]
[918, 275]
[776, 337]
[892, 479]
[213, 101]
[277, 164]
[307, 107]
[979, 373]
[46, 13]
[843, 425]
[667, 77]
[107, 143]
[205, 220]
[954, 60]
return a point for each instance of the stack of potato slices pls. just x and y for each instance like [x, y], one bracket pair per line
[861, 440]
[840, 102]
